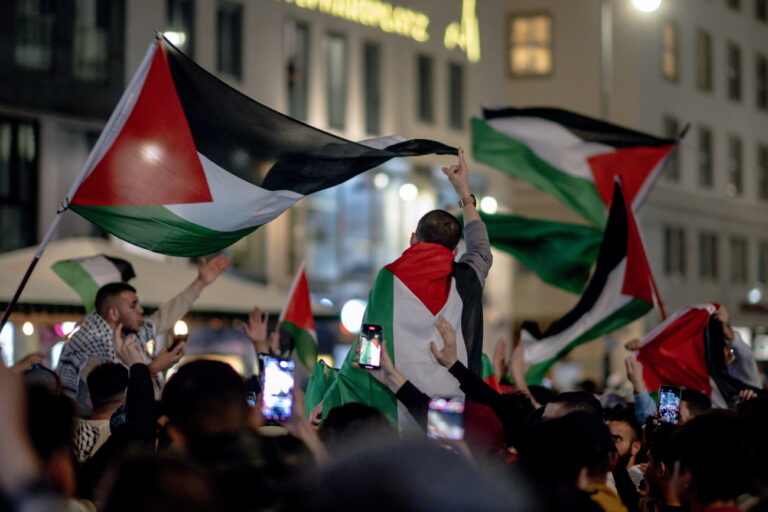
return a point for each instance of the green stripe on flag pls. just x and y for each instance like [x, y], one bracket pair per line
[323, 378]
[631, 311]
[306, 347]
[487, 370]
[516, 159]
[158, 229]
[81, 281]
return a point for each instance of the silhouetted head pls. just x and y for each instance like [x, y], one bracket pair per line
[438, 227]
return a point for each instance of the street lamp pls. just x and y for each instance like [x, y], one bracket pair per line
[647, 5]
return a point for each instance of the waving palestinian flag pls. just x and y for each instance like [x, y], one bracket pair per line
[573, 157]
[87, 275]
[187, 165]
[296, 323]
[621, 290]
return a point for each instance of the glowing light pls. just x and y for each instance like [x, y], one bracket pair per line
[647, 5]
[177, 38]
[755, 295]
[180, 328]
[151, 152]
[65, 329]
[352, 314]
[28, 328]
[489, 204]
[325, 301]
[465, 33]
[326, 358]
[381, 180]
[56, 353]
[408, 192]
[6, 343]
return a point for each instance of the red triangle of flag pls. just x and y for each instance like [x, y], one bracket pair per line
[153, 161]
[298, 310]
[638, 278]
[634, 165]
[426, 269]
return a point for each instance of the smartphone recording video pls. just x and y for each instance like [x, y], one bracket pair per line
[370, 346]
[669, 404]
[277, 388]
[445, 419]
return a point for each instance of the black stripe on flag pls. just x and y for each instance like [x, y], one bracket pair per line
[586, 128]
[122, 266]
[613, 250]
[265, 147]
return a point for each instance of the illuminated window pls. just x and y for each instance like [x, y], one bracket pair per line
[733, 67]
[674, 251]
[672, 131]
[703, 61]
[706, 161]
[738, 260]
[670, 49]
[426, 84]
[336, 80]
[180, 18]
[372, 77]
[229, 48]
[91, 38]
[297, 68]
[18, 183]
[455, 96]
[708, 255]
[761, 82]
[530, 45]
[735, 166]
[33, 34]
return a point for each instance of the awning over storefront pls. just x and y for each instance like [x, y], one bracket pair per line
[158, 278]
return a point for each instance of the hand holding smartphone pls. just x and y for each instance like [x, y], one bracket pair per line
[669, 404]
[277, 388]
[370, 347]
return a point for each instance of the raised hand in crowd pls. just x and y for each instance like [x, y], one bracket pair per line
[166, 358]
[300, 427]
[518, 369]
[209, 270]
[635, 374]
[746, 394]
[446, 356]
[458, 175]
[256, 330]
[387, 374]
[28, 360]
[127, 348]
[500, 364]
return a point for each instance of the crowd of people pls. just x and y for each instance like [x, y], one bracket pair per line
[106, 432]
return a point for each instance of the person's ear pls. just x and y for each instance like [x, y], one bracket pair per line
[634, 448]
[113, 315]
[413, 240]
[661, 469]
[582, 481]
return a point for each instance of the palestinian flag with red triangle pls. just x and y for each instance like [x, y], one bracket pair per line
[296, 323]
[187, 165]
[573, 157]
[407, 297]
[620, 290]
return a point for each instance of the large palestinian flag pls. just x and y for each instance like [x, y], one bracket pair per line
[688, 350]
[296, 323]
[620, 291]
[187, 165]
[573, 157]
[406, 299]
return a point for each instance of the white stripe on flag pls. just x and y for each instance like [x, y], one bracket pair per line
[236, 203]
[553, 143]
[101, 270]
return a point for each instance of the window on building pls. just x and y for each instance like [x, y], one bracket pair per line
[761, 82]
[456, 96]
[735, 166]
[297, 69]
[336, 80]
[674, 251]
[372, 77]
[18, 183]
[762, 171]
[229, 47]
[734, 71]
[703, 61]
[672, 130]
[530, 45]
[762, 262]
[425, 88]
[670, 51]
[33, 34]
[91, 39]
[738, 260]
[761, 10]
[708, 268]
[706, 161]
[733, 4]
[180, 18]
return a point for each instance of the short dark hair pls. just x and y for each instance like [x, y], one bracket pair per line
[107, 384]
[661, 444]
[108, 291]
[352, 422]
[713, 447]
[697, 401]
[439, 227]
[205, 397]
[627, 415]
[574, 401]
